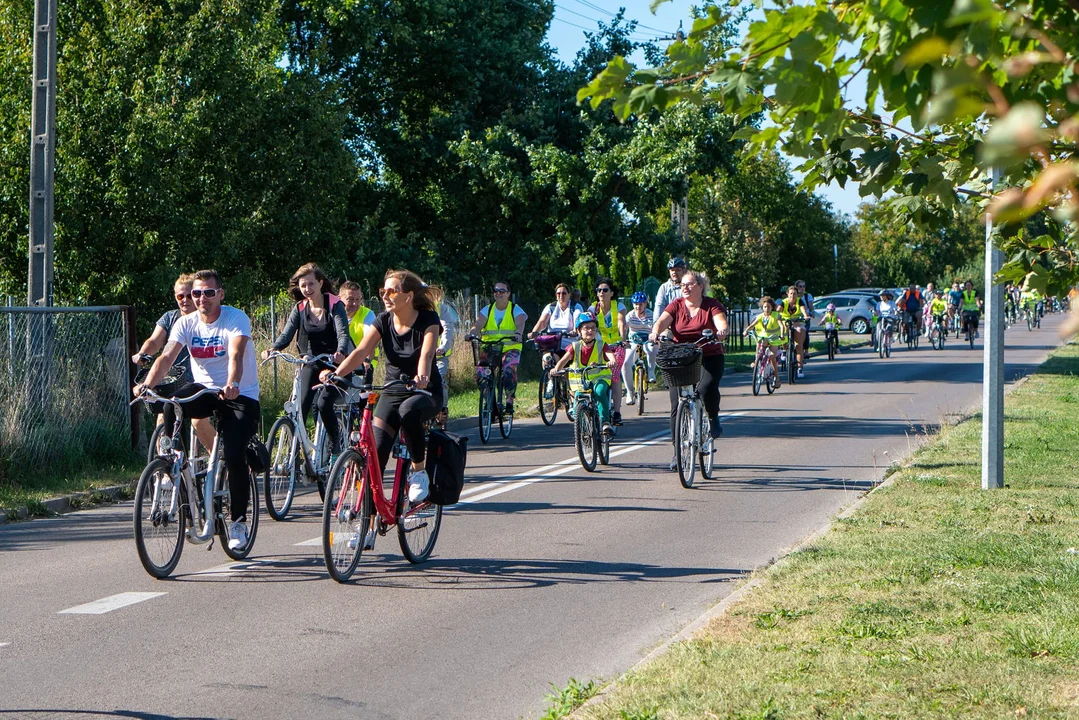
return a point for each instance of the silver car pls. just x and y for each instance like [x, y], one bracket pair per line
[853, 310]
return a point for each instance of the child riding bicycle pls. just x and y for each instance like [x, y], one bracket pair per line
[831, 324]
[589, 351]
[770, 331]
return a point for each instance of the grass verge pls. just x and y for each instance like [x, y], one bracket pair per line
[934, 599]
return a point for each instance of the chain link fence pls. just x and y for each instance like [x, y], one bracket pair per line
[64, 389]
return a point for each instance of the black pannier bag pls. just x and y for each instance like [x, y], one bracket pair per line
[446, 458]
[258, 457]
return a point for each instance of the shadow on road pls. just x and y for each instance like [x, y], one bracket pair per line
[57, 714]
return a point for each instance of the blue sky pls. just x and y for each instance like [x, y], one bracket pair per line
[573, 17]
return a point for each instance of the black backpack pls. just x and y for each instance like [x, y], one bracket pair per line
[446, 457]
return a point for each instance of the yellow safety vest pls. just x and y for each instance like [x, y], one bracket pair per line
[575, 378]
[970, 300]
[356, 327]
[790, 315]
[608, 331]
[769, 326]
[506, 329]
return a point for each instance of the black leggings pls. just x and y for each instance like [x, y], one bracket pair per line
[326, 399]
[405, 414]
[708, 387]
[236, 425]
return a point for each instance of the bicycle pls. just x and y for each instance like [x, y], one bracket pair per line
[831, 338]
[789, 359]
[491, 388]
[589, 438]
[938, 333]
[288, 441]
[886, 328]
[763, 374]
[911, 332]
[640, 369]
[968, 325]
[693, 443]
[167, 498]
[356, 509]
[956, 323]
[553, 391]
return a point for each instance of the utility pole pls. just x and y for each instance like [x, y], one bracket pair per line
[680, 218]
[42, 155]
[993, 363]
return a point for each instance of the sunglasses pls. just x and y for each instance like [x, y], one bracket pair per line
[603, 290]
[180, 297]
[208, 292]
[500, 291]
[388, 292]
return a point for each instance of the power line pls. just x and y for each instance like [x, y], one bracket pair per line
[579, 27]
[597, 8]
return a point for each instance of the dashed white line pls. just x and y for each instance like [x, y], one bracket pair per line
[113, 602]
[4, 645]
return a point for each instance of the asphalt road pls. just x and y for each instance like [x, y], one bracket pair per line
[544, 573]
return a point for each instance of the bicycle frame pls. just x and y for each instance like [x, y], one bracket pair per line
[293, 411]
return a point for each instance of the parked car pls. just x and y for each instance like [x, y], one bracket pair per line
[853, 310]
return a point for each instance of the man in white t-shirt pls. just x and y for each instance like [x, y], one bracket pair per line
[502, 320]
[218, 339]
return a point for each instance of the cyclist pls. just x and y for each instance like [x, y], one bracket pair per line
[888, 312]
[671, 290]
[610, 314]
[769, 329]
[955, 300]
[590, 350]
[938, 310]
[502, 320]
[794, 311]
[181, 290]
[218, 338]
[807, 300]
[972, 305]
[360, 318]
[910, 304]
[930, 293]
[320, 325]
[408, 332]
[830, 318]
[449, 319]
[561, 316]
[687, 318]
[639, 322]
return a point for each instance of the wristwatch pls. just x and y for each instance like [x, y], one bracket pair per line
[233, 384]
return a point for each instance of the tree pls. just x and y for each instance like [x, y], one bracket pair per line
[954, 88]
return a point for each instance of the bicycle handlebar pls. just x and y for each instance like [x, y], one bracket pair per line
[148, 395]
[366, 389]
[293, 360]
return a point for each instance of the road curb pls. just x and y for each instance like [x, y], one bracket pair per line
[70, 503]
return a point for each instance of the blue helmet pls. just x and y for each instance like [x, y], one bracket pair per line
[675, 262]
[585, 317]
[639, 297]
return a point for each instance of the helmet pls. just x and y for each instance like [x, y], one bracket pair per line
[831, 307]
[675, 262]
[639, 297]
[585, 317]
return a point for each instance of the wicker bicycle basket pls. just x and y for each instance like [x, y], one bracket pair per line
[680, 364]
[169, 384]
[483, 354]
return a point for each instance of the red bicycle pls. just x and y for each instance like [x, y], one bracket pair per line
[356, 509]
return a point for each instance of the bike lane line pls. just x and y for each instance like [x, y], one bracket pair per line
[113, 602]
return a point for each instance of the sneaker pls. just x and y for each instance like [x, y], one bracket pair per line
[714, 427]
[631, 400]
[607, 429]
[509, 408]
[674, 463]
[417, 486]
[369, 540]
[353, 540]
[801, 374]
[616, 418]
[237, 535]
[651, 378]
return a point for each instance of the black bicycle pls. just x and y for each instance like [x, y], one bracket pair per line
[553, 389]
[488, 354]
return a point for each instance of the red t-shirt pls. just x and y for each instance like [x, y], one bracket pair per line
[691, 329]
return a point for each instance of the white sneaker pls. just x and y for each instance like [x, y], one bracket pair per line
[369, 540]
[801, 374]
[651, 378]
[631, 400]
[417, 486]
[237, 535]
[674, 463]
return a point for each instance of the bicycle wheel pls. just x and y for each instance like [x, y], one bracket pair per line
[888, 347]
[831, 349]
[604, 441]
[792, 364]
[706, 458]
[224, 520]
[758, 376]
[684, 441]
[505, 423]
[155, 437]
[346, 515]
[917, 336]
[417, 526]
[160, 518]
[279, 485]
[641, 381]
[941, 335]
[584, 437]
[548, 398]
[485, 411]
[770, 381]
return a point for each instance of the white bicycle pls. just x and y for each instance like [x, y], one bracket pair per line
[693, 442]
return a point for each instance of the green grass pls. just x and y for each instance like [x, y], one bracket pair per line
[935, 599]
[15, 496]
[563, 701]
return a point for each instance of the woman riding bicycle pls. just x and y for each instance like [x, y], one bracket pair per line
[770, 331]
[408, 332]
[687, 318]
[639, 322]
[590, 351]
[611, 317]
[502, 320]
[320, 324]
[793, 310]
[558, 316]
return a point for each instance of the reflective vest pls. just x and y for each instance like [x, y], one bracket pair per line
[505, 329]
[356, 328]
[608, 329]
[970, 300]
[596, 358]
[787, 314]
[767, 326]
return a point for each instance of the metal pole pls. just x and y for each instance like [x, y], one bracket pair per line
[132, 346]
[42, 155]
[835, 254]
[993, 375]
[273, 335]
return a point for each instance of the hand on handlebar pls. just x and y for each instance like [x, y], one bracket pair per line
[230, 392]
[420, 382]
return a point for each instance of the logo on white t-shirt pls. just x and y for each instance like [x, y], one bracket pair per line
[205, 348]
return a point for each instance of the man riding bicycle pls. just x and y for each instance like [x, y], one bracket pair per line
[218, 338]
[911, 306]
[502, 320]
[672, 289]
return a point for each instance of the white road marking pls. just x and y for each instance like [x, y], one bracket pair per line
[4, 645]
[520, 480]
[113, 602]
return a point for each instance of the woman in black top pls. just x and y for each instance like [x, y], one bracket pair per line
[408, 331]
[320, 324]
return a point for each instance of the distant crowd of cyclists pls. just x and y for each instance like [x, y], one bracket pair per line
[209, 343]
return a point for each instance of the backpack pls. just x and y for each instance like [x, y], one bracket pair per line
[446, 459]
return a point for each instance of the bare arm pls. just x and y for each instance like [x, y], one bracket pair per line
[161, 366]
[622, 324]
[371, 337]
[481, 320]
[565, 360]
[664, 322]
[155, 342]
[237, 347]
[427, 356]
[720, 321]
[542, 322]
[519, 323]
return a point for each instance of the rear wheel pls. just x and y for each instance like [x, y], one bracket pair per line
[160, 518]
[707, 457]
[346, 515]
[684, 450]
[584, 437]
[792, 364]
[505, 423]
[417, 527]
[641, 381]
[251, 510]
[279, 483]
[604, 445]
[548, 397]
[485, 411]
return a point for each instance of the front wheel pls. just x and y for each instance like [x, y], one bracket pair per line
[792, 364]
[417, 526]
[684, 442]
[505, 423]
[641, 381]
[604, 444]
[251, 510]
[707, 457]
[548, 397]
[160, 517]
[584, 437]
[279, 485]
[346, 515]
[485, 411]
[155, 440]
[758, 375]
[831, 349]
